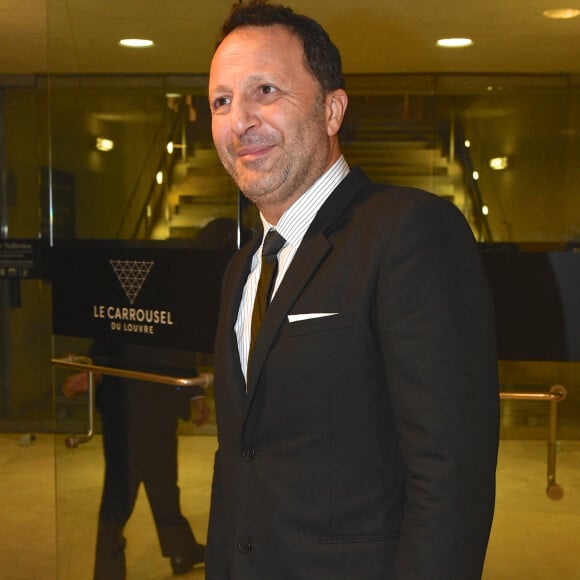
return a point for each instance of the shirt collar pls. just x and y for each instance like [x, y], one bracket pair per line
[296, 220]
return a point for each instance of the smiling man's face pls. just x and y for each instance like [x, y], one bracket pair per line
[271, 125]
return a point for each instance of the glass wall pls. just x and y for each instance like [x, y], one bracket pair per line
[409, 130]
[527, 127]
[135, 178]
[25, 306]
[87, 154]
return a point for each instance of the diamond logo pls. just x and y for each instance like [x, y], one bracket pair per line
[131, 275]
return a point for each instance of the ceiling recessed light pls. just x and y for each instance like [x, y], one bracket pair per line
[561, 13]
[136, 42]
[499, 163]
[454, 42]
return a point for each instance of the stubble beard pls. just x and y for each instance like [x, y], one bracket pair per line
[260, 186]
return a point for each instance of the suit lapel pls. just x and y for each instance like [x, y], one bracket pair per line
[314, 248]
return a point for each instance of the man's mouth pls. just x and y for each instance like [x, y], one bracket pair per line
[253, 152]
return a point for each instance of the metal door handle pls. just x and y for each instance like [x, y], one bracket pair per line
[85, 364]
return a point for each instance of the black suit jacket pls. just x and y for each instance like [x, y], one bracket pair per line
[366, 446]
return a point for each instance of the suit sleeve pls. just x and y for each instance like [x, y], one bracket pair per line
[435, 323]
[216, 567]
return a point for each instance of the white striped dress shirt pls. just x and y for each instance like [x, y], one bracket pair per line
[292, 226]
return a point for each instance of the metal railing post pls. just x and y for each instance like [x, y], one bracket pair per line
[556, 395]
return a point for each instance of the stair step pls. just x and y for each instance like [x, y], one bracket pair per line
[395, 150]
[214, 187]
[183, 232]
[206, 171]
[200, 214]
[388, 144]
[426, 182]
[401, 170]
[203, 157]
[378, 134]
[187, 200]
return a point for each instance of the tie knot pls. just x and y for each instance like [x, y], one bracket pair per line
[273, 243]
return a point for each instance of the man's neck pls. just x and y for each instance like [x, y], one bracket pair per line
[273, 212]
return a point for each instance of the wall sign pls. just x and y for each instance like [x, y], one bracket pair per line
[21, 258]
[152, 293]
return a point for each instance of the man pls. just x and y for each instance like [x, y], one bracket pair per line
[358, 438]
[139, 423]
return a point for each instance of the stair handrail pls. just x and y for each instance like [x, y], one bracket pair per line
[147, 178]
[463, 156]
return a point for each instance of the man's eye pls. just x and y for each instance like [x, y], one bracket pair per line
[267, 89]
[219, 103]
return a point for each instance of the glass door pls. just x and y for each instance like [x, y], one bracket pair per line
[140, 219]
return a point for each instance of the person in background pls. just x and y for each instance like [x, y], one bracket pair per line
[139, 427]
[358, 415]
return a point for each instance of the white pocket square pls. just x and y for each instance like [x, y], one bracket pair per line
[309, 315]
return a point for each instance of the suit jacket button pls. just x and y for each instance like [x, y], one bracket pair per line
[249, 453]
[244, 545]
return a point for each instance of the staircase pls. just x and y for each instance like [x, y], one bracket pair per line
[201, 191]
[409, 154]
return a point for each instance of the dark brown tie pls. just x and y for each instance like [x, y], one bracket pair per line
[273, 243]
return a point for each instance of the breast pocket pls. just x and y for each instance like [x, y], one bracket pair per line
[301, 324]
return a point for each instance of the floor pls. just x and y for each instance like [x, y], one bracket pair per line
[533, 537]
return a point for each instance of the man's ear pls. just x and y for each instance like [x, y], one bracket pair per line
[336, 104]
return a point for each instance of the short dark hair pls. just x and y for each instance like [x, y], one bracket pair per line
[322, 58]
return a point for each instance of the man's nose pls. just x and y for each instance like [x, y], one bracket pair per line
[243, 115]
